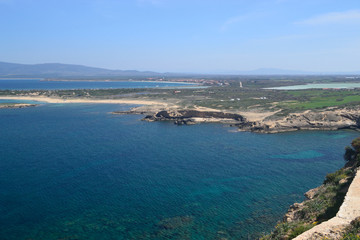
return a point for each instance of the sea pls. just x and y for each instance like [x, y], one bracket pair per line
[76, 171]
[41, 84]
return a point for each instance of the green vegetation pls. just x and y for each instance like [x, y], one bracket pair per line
[324, 204]
[353, 231]
[317, 99]
[322, 207]
[229, 96]
[299, 229]
[225, 93]
[334, 178]
[351, 153]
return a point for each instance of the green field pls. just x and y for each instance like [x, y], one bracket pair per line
[228, 95]
[318, 99]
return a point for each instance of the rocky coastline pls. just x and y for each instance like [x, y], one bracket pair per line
[186, 117]
[17, 105]
[330, 211]
[308, 120]
[331, 119]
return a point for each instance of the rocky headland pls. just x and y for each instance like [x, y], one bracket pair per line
[193, 116]
[330, 119]
[309, 120]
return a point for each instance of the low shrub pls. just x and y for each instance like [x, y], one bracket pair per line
[299, 230]
[353, 231]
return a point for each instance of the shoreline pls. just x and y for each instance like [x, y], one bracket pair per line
[307, 120]
[111, 80]
[244, 121]
[328, 211]
[150, 105]
[82, 100]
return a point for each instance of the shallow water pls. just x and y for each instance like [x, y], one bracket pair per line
[319, 85]
[73, 171]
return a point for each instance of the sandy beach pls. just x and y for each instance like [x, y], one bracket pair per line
[148, 105]
[250, 115]
[84, 100]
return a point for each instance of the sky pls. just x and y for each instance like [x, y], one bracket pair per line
[207, 36]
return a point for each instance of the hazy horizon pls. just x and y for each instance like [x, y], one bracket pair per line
[184, 36]
[258, 71]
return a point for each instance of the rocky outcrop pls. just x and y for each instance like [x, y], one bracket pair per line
[17, 105]
[192, 116]
[295, 211]
[348, 212]
[308, 120]
[326, 120]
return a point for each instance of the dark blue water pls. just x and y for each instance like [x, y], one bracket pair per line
[73, 171]
[31, 84]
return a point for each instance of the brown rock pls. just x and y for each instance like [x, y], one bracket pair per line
[311, 193]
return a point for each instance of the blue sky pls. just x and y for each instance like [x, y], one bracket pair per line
[184, 35]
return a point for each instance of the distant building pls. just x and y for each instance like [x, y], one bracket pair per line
[241, 85]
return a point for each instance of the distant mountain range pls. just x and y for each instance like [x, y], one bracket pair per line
[64, 70]
[58, 70]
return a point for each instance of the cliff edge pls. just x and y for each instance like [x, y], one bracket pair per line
[335, 227]
[330, 211]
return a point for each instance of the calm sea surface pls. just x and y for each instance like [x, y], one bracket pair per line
[74, 171]
[318, 85]
[30, 84]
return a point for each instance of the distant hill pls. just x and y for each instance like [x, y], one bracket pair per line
[58, 70]
[64, 70]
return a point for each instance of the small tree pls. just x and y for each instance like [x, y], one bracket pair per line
[352, 152]
[349, 154]
[356, 144]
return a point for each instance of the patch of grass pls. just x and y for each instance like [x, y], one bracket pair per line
[353, 231]
[335, 177]
[299, 230]
[317, 99]
[288, 230]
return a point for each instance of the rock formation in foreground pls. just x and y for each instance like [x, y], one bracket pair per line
[331, 211]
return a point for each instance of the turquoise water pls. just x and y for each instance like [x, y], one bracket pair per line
[319, 85]
[31, 84]
[73, 171]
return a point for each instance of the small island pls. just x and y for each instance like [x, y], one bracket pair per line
[16, 105]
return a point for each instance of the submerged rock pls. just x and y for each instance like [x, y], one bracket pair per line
[175, 222]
